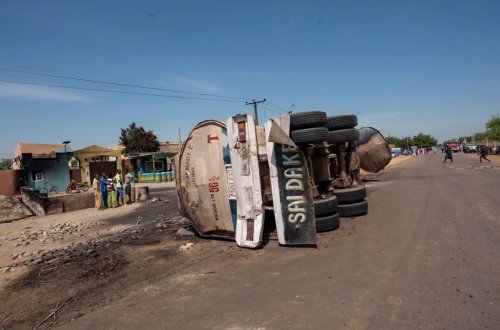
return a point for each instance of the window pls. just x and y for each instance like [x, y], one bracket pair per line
[37, 176]
[158, 166]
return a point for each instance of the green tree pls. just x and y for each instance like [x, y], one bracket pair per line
[137, 139]
[393, 140]
[424, 140]
[493, 128]
[6, 164]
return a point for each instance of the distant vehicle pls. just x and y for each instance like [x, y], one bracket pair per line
[455, 147]
[395, 152]
[472, 148]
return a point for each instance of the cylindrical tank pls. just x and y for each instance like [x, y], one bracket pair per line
[163, 176]
[169, 176]
[157, 177]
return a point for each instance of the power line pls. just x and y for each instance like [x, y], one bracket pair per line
[120, 84]
[277, 106]
[119, 92]
[273, 110]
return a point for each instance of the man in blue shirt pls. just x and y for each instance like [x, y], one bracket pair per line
[104, 189]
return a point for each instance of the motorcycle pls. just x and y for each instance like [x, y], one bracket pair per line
[78, 186]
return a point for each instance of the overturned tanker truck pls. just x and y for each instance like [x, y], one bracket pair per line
[299, 172]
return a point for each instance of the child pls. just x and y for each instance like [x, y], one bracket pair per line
[111, 191]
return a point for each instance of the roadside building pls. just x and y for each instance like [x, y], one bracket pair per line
[42, 166]
[94, 159]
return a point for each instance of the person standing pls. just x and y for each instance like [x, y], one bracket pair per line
[104, 189]
[111, 192]
[483, 151]
[96, 185]
[447, 154]
[119, 187]
[129, 178]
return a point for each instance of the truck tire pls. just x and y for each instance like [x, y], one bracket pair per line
[353, 210]
[307, 119]
[309, 135]
[350, 195]
[327, 206]
[343, 135]
[328, 223]
[341, 122]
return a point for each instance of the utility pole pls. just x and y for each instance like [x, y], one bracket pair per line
[254, 103]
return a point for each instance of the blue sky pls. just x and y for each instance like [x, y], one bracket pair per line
[403, 67]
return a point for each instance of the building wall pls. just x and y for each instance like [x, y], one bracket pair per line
[9, 182]
[55, 172]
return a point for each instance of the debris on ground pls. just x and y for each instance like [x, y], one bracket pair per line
[186, 231]
[12, 208]
[186, 246]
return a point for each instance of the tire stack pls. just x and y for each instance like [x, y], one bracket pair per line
[351, 200]
[330, 133]
[308, 128]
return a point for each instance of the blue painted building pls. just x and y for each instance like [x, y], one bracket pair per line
[43, 166]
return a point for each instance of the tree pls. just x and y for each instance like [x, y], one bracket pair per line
[6, 164]
[393, 140]
[137, 139]
[424, 140]
[493, 126]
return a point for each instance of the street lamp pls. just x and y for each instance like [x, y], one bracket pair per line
[65, 144]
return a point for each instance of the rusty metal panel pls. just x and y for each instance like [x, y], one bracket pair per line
[205, 186]
[242, 135]
[291, 185]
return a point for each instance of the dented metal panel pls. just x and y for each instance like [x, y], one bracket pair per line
[291, 185]
[205, 183]
[242, 135]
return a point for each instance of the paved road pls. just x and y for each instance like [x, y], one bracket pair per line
[427, 256]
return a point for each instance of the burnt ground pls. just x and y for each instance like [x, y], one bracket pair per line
[63, 284]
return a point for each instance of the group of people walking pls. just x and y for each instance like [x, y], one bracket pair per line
[108, 189]
[483, 152]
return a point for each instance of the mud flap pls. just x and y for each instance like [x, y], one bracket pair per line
[291, 185]
[242, 136]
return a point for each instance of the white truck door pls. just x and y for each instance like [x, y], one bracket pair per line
[242, 135]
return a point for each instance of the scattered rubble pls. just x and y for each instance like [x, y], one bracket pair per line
[186, 246]
[12, 208]
[56, 232]
[185, 232]
[51, 233]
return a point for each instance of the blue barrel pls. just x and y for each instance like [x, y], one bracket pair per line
[173, 176]
[163, 176]
[157, 177]
[169, 176]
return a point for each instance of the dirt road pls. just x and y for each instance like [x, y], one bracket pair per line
[425, 256]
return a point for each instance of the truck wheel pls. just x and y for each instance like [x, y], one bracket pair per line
[327, 223]
[350, 195]
[327, 206]
[307, 119]
[309, 135]
[354, 209]
[343, 135]
[340, 122]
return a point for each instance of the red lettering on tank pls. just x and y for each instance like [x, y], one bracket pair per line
[210, 138]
